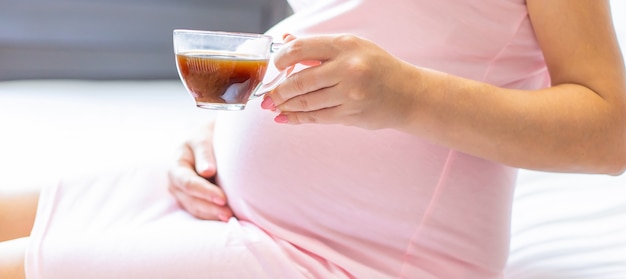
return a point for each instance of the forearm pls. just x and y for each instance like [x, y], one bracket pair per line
[565, 128]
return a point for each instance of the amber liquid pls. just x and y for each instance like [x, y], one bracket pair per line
[220, 78]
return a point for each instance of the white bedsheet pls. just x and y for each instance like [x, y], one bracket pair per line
[568, 226]
[48, 127]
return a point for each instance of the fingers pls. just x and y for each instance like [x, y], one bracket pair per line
[313, 101]
[201, 208]
[204, 160]
[322, 116]
[343, 88]
[184, 178]
[288, 38]
[201, 157]
[295, 51]
[313, 79]
[197, 195]
[189, 182]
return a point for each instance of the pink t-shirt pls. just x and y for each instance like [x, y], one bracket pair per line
[374, 204]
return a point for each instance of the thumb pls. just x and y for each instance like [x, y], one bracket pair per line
[205, 160]
[288, 37]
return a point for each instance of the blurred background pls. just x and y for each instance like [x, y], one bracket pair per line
[114, 39]
[118, 39]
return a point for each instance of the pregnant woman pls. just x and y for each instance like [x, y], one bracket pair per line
[391, 152]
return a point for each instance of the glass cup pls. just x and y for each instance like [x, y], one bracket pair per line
[223, 70]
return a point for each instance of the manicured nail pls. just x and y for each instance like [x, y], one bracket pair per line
[268, 103]
[281, 118]
[219, 201]
[205, 168]
[222, 217]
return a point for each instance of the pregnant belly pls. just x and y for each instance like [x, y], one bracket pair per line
[317, 176]
[325, 187]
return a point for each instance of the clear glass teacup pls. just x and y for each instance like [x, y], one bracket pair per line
[223, 70]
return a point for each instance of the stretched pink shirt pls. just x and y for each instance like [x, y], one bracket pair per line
[378, 204]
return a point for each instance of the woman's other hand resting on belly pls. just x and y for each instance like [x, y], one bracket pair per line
[191, 178]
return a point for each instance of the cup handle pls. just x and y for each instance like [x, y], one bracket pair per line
[264, 88]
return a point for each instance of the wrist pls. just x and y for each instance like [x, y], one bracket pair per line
[412, 85]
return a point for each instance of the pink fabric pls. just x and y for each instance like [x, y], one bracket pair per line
[319, 201]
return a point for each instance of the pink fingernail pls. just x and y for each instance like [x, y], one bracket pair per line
[206, 169]
[222, 217]
[219, 201]
[281, 118]
[268, 103]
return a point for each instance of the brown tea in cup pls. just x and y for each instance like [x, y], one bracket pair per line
[224, 70]
[220, 77]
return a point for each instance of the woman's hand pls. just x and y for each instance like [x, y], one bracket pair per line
[355, 82]
[191, 179]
